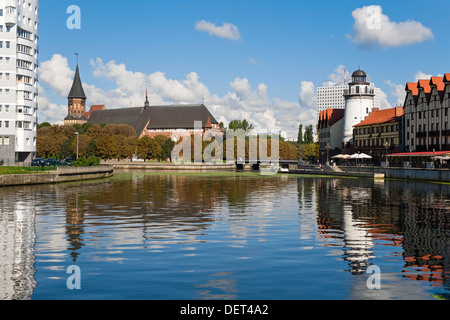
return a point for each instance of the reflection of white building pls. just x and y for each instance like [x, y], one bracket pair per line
[17, 239]
[357, 241]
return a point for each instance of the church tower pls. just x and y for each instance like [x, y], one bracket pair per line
[76, 102]
[359, 102]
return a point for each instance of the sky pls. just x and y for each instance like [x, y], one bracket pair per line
[255, 60]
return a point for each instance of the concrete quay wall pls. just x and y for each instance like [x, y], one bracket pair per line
[436, 175]
[65, 174]
[172, 166]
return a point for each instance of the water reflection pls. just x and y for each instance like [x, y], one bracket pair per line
[225, 237]
[413, 217]
[17, 238]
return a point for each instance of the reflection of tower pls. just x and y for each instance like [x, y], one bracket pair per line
[359, 102]
[74, 228]
[357, 242]
[17, 240]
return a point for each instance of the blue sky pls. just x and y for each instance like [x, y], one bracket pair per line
[279, 53]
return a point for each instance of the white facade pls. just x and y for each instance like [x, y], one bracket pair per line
[359, 102]
[331, 96]
[18, 79]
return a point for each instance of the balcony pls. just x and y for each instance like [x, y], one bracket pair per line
[434, 133]
[446, 133]
[10, 13]
[446, 147]
[433, 147]
[10, 19]
[421, 134]
[420, 148]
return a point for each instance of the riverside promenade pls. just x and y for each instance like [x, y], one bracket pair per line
[431, 175]
[163, 166]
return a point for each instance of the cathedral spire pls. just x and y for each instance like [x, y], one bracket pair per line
[77, 88]
[147, 103]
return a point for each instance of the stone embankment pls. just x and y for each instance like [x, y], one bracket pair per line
[432, 175]
[62, 174]
[163, 166]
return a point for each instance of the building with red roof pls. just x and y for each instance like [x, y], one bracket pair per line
[330, 126]
[426, 121]
[380, 133]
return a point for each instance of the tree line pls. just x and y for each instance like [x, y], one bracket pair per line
[105, 141]
[110, 141]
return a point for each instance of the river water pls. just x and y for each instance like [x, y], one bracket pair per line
[227, 235]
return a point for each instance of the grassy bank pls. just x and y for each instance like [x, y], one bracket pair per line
[24, 170]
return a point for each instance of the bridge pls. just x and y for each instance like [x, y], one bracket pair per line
[256, 164]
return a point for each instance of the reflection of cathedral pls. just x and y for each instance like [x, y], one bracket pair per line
[17, 238]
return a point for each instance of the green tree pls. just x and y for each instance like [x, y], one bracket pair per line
[65, 151]
[308, 137]
[167, 149]
[43, 125]
[240, 124]
[143, 147]
[300, 134]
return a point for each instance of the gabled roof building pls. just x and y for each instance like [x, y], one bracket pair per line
[172, 121]
[426, 123]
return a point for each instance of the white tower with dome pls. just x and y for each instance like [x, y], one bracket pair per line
[359, 102]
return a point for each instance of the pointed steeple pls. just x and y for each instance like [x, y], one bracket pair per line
[77, 88]
[147, 103]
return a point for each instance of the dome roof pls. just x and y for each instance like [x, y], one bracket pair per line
[359, 73]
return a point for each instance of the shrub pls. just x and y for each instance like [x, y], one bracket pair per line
[87, 162]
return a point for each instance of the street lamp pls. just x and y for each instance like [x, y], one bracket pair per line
[328, 153]
[77, 144]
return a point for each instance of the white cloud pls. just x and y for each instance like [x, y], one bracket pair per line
[226, 30]
[253, 61]
[339, 74]
[372, 27]
[241, 102]
[423, 76]
[50, 112]
[397, 92]
[57, 74]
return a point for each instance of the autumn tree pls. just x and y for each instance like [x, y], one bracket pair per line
[83, 142]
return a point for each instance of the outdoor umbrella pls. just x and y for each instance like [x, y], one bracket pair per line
[360, 156]
[341, 156]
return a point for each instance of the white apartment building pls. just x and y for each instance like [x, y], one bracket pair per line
[18, 79]
[331, 96]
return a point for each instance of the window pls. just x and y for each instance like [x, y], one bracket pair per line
[6, 124]
[6, 141]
